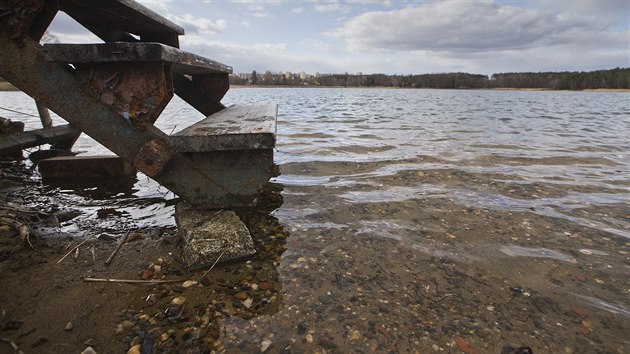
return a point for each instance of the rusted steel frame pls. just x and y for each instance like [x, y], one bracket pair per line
[197, 178]
[181, 62]
[18, 17]
[185, 88]
[44, 115]
[137, 91]
[56, 86]
[194, 95]
[43, 19]
[18, 141]
[125, 15]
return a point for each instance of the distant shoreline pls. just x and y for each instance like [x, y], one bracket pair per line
[6, 86]
[427, 88]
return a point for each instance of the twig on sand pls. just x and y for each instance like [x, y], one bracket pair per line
[118, 246]
[130, 281]
[74, 248]
[213, 264]
[15, 347]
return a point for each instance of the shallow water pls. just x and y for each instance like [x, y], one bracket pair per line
[417, 216]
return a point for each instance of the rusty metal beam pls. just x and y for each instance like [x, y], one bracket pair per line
[194, 93]
[43, 19]
[16, 142]
[198, 178]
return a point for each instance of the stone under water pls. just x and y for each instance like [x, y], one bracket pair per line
[210, 234]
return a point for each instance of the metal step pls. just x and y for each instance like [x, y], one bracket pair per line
[123, 15]
[181, 62]
[238, 127]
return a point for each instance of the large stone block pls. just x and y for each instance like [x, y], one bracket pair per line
[210, 234]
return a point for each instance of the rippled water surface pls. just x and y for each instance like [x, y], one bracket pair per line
[418, 217]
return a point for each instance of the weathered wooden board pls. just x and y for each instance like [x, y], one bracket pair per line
[124, 15]
[181, 62]
[84, 166]
[239, 127]
[18, 141]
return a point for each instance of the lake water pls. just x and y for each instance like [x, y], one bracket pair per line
[417, 218]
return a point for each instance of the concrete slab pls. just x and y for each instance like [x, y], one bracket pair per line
[238, 127]
[84, 166]
[208, 234]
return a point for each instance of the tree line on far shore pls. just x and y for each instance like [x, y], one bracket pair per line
[618, 78]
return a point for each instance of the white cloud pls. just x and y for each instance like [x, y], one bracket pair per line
[297, 10]
[468, 26]
[330, 7]
[199, 25]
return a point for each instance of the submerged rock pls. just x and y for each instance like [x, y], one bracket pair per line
[208, 234]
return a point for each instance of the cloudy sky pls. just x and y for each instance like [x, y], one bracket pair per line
[397, 36]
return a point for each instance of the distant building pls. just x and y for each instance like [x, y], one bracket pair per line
[302, 75]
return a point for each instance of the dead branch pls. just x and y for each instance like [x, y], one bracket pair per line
[131, 281]
[118, 246]
[72, 250]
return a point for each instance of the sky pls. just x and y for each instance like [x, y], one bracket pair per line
[396, 36]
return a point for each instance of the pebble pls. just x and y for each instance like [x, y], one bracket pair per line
[490, 308]
[264, 345]
[241, 295]
[68, 326]
[127, 324]
[309, 338]
[248, 303]
[178, 300]
[88, 350]
[134, 350]
[355, 335]
[188, 283]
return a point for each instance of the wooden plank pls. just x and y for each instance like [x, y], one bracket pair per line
[84, 166]
[239, 127]
[181, 62]
[18, 141]
[124, 15]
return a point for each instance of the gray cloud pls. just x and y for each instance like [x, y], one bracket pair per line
[470, 26]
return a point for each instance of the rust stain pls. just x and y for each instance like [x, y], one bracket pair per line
[153, 157]
[17, 17]
[138, 92]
